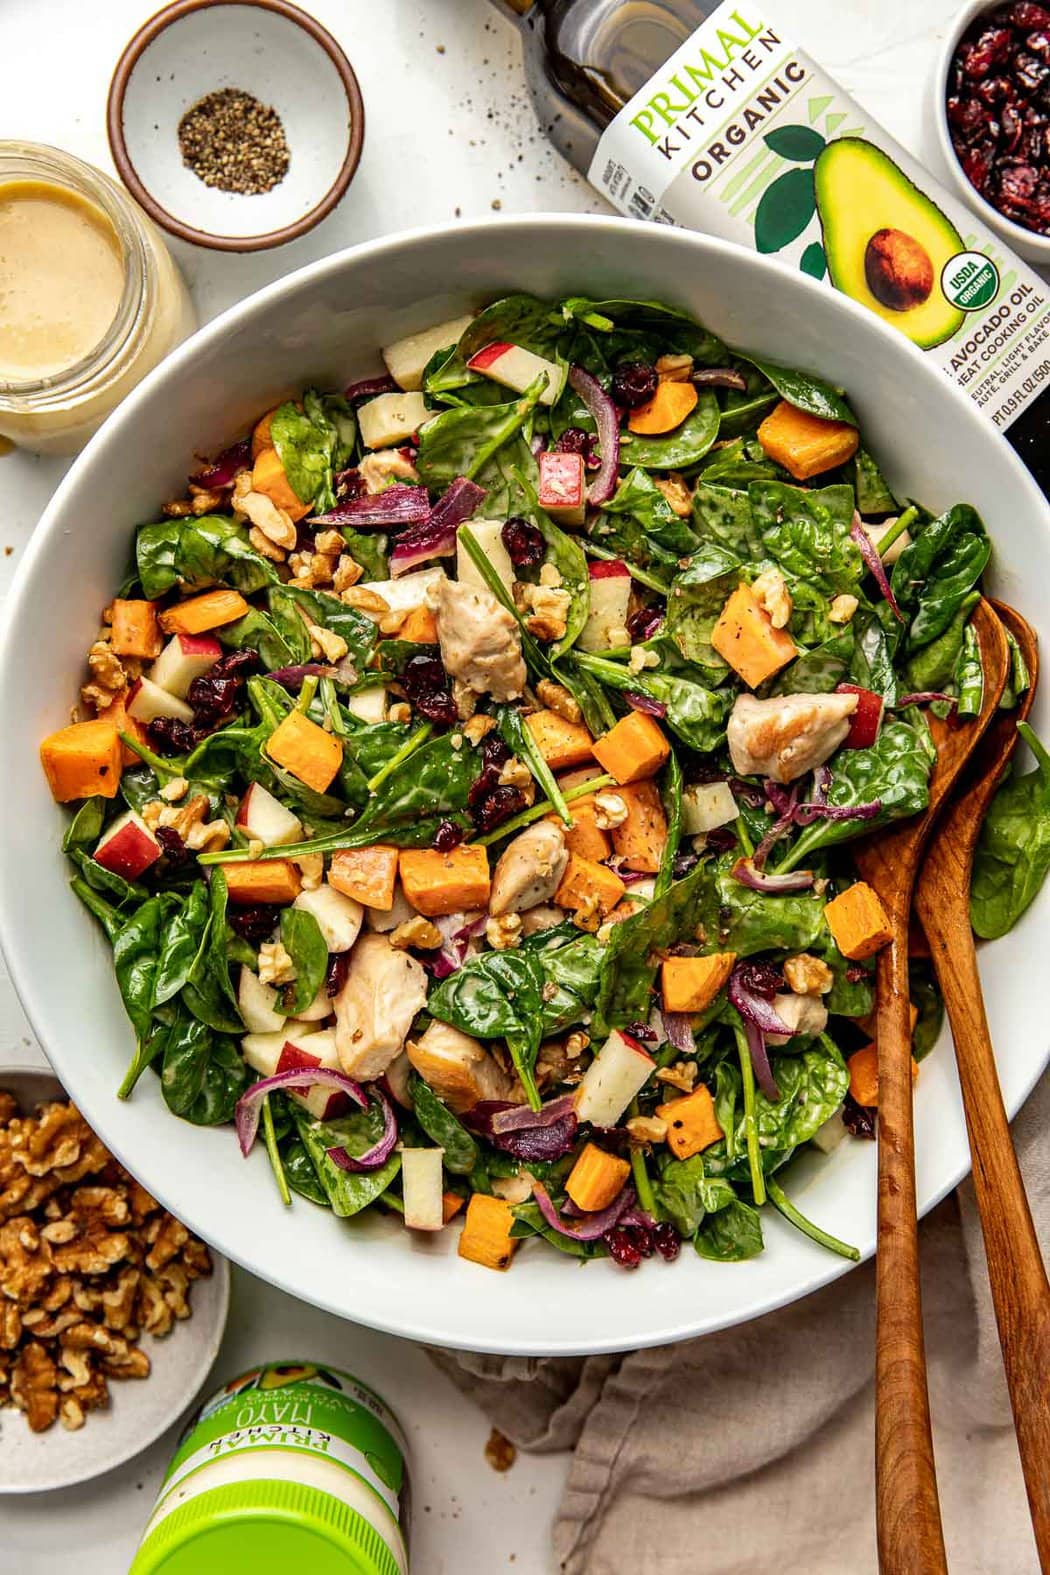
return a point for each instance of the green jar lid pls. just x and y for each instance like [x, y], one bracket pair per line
[264, 1528]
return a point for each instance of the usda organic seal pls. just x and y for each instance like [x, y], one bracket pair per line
[970, 280]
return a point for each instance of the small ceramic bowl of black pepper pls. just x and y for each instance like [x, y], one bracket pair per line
[992, 112]
[236, 124]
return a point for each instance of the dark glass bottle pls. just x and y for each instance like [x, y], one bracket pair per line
[585, 59]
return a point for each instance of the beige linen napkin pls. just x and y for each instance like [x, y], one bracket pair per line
[750, 1450]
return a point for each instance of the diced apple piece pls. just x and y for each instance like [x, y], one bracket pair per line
[563, 487]
[514, 367]
[830, 1133]
[606, 626]
[128, 847]
[257, 1004]
[489, 536]
[339, 917]
[406, 359]
[184, 658]
[368, 705]
[263, 1051]
[318, 1009]
[300, 1048]
[391, 418]
[865, 724]
[422, 1185]
[706, 806]
[264, 819]
[146, 701]
[618, 1072]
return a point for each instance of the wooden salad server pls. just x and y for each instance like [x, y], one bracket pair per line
[1020, 1292]
[908, 1515]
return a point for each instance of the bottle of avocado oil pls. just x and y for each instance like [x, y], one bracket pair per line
[711, 117]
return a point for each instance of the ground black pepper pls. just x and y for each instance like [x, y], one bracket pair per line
[233, 142]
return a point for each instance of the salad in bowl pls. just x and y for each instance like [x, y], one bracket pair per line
[467, 767]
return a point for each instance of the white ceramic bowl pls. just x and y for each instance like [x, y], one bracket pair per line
[1026, 243]
[324, 325]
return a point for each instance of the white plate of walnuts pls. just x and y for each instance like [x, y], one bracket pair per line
[111, 1313]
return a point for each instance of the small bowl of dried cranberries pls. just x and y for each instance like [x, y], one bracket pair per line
[993, 118]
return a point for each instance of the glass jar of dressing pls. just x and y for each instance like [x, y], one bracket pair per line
[90, 299]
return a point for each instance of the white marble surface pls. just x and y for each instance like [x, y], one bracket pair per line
[449, 134]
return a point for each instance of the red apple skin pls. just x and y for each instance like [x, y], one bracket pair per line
[293, 1058]
[128, 850]
[488, 356]
[608, 569]
[866, 721]
[635, 1044]
[199, 645]
[562, 483]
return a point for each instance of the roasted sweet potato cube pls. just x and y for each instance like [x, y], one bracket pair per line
[806, 445]
[437, 883]
[82, 761]
[588, 888]
[262, 437]
[864, 1075]
[451, 1203]
[269, 476]
[596, 1179]
[117, 714]
[420, 627]
[858, 922]
[262, 880]
[691, 1123]
[562, 744]
[201, 613]
[135, 630]
[306, 750]
[635, 748]
[369, 875]
[486, 1237]
[690, 984]
[583, 836]
[639, 840]
[744, 636]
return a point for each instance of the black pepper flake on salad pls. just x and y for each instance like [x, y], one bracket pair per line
[476, 820]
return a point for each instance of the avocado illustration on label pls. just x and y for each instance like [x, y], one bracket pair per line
[276, 1377]
[886, 243]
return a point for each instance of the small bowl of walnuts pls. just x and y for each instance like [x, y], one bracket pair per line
[111, 1313]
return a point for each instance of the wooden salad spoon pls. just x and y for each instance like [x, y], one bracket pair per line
[908, 1517]
[1020, 1292]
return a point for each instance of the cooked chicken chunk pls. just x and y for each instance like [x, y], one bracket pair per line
[787, 736]
[530, 868]
[803, 1014]
[480, 642]
[542, 918]
[384, 990]
[458, 1068]
[875, 530]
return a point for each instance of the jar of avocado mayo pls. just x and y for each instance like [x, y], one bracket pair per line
[291, 1466]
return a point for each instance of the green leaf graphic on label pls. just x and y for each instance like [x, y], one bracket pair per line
[800, 144]
[813, 261]
[784, 211]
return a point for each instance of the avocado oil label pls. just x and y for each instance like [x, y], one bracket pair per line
[742, 135]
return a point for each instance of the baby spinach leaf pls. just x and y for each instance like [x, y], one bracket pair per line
[695, 602]
[208, 992]
[820, 670]
[498, 995]
[257, 632]
[871, 665]
[302, 940]
[135, 952]
[697, 714]
[466, 441]
[744, 459]
[106, 914]
[300, 1173]
[671, 797]
[197, 552]
[683, 447]
[356, 628]
[938, 569]
[515, 319]
[639, 498]
[812, 1087]
[121, 891]
[872, 489]
[630, 961]
[86, 826]
[528, 1221]
[731, 1235]
[925, 993]
[443, 1128]
[180, 951]
[312, 443]
[431, 785]
[1013, 851]
[726, 516]
[805, 391]
[202, 1074]
[685, 1193]
[369, 549]
[348, 1191]
[806, 533]
[737, 919]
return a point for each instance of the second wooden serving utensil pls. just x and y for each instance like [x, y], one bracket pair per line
[1020, 1292]
[907, 1507]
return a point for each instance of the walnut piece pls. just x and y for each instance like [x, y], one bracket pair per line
[34, 1386]
[558, 699]
[808, 975]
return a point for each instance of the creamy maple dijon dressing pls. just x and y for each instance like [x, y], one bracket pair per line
[61, 279]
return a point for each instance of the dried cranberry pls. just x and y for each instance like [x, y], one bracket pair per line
[173, 845]
[967, 116]
[993, 90]
[494, 756]
[574, 440]
[721, 839]
[621, 1248]
[1030, 71]
[1012, 128]
[643, 623]
[640, 1238]
[255, 922]
[977, 165]
[425, 682]
[642, 1032]
[336, 975]
[993, 46]
[214, 699]
[1025, 14]
[524, 542]
[170, 736]
[238, 664]
[500, 804]
[667, 1241]
[684, 862]
[762, 978]
[349, 484]
[1039, 43]
[858, 1119]
[1017, 182]
[633, 383]
[447, 836]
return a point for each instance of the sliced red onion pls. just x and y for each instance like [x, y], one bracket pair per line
[520, 1118]
[397, 505]
[644, 703]
[719, 377]
[249, 1107]
[754, 1008]
[922, 697]
[806, 814]
[745, 872]
[528, 1143]
[603, 413]
[435, 537]
[369, 387]
[678, 1028]
[220, 472]
[821, 784]
[291, 678]
[458, 933]
[756, 1044]
[593, 1226]
[783, 802]
[380, 1152]
[874, 564]
[636, 1216]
